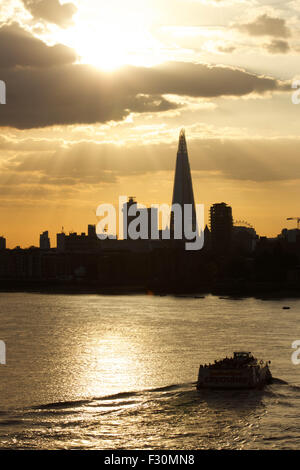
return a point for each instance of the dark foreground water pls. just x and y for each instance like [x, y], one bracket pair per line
[112, 372]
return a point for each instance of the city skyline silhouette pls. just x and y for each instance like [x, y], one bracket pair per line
[89, 119]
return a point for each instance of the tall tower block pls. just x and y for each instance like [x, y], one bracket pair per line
[183, 186]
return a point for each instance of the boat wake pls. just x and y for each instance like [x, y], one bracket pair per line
[277, 381]
[174, 416]
[182, 389]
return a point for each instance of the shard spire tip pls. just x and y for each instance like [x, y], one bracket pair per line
[182, 148]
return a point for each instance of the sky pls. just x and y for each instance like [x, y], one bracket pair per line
[97, 92]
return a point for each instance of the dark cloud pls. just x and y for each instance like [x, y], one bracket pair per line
[44, 86]
[84, 95]
[266, 25]
[68, 95]
[277, 46]
[51, 10]
[197, 80]
[20, 48]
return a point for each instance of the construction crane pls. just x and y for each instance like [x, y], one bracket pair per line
[295, 218]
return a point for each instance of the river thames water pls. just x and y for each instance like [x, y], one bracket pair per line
[119, 372]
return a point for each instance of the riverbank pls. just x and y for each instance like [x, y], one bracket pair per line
[228, 288]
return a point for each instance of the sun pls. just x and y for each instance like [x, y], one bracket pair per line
[111, 47]
[115, 36]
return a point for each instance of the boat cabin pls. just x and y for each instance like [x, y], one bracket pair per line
[241, 355]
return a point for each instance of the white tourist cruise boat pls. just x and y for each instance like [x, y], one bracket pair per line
[242, 371]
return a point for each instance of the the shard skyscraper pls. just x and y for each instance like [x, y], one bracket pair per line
[183, 188]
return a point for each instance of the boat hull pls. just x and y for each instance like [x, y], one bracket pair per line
[237, 378]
